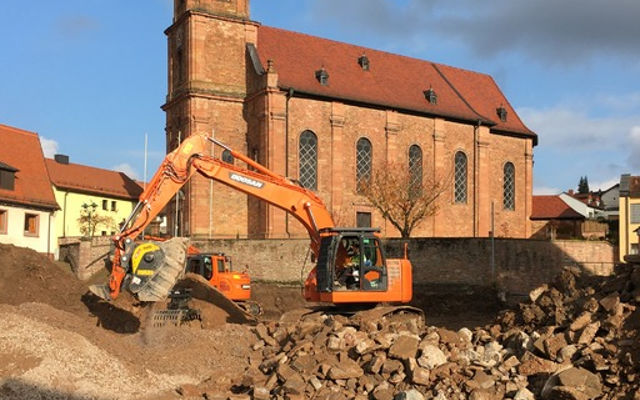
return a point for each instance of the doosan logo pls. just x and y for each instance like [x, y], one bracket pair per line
[246, 181]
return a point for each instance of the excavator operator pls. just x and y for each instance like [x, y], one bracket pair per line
[349, 274]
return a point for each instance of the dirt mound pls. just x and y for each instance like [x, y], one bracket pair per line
[27, 276]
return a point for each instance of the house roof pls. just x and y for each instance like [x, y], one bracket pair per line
[392, 81]
[552, 207]
[97, 181]
[22, 152]
[629, 186]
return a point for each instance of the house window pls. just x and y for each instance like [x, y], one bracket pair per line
[634, 249]
[509, 186]
[415, 170]
[4, 216]
[364, 161]
[113, 205]
[31, 224]
[103, 233]
[634, 214]
[308, 159]
[460, 176]
[363, 219]
[105, 204]
[7, 179]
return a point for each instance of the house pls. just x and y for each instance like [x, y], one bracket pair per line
[629, 215]
[552, 218]
[586, 205]
[93, 201]
[609, 200]
[328, 114]
[27, 203]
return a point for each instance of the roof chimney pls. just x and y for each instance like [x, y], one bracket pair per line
[61, 159]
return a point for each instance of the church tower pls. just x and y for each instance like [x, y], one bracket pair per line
[207, 88]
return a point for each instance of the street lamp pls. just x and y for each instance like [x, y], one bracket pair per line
[90, 209]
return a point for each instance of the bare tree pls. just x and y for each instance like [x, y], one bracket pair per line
[402, 199]
[90, 221]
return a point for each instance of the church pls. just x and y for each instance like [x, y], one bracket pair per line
[327, 114]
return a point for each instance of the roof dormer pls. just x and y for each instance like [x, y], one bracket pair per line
[7, 176]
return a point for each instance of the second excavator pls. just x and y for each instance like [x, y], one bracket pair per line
[150, 271]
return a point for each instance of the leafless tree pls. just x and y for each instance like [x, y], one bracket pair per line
[402, 198]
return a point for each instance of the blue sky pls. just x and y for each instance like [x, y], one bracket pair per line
[90, 75]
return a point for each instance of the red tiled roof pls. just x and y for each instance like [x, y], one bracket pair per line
[21, 150]
[392, 81]
[85, 179]
[552, 207]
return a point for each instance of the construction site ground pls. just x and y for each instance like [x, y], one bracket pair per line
[59, 342]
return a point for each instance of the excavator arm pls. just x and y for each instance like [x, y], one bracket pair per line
[190, 158]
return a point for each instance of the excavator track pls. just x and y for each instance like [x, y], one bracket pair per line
[367, 316]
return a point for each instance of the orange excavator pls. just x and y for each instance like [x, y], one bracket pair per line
[150, 270]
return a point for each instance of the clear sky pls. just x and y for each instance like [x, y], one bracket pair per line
[90, 75]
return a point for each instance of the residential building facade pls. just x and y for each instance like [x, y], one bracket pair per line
[27, 203]
[93, 201]
[328, 114]
[629, 215]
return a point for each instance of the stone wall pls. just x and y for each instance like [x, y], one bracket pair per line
[520, 265]
[86, 256]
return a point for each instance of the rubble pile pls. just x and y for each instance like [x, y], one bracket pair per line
[581, 323]
[576, 339]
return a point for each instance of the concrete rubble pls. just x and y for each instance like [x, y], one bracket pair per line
[576, 339]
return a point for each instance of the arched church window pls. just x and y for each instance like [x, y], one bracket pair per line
[308, 159]
[509, 193]
[364, 162]
[415, 170]
[460, 178]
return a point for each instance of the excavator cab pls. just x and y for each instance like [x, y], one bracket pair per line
[352, 268]
[216, 269]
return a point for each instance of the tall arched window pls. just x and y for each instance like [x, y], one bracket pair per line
[364, 161]
[308, 159]
[509, 182]
[460, 176]
[415, 170]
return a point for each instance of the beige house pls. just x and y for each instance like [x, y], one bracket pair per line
[629, 210]
[93, 201]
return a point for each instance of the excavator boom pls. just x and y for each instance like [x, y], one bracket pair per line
[146, 274]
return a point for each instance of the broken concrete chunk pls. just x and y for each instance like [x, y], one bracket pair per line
[535, 293]
[611, 302]
[580, 322]
[582, 380]
[420, 376]
[404, 347]
[589, 333]
[409, 395]
[524, 394]
[431, 357]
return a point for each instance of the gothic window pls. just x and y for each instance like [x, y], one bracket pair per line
[415, 170]
[364, 161]
[460, 178]
[509, 194]
[308, 158]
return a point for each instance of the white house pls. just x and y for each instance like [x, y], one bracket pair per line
[27, 203]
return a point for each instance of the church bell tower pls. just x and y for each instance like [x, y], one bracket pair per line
[207, 88]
